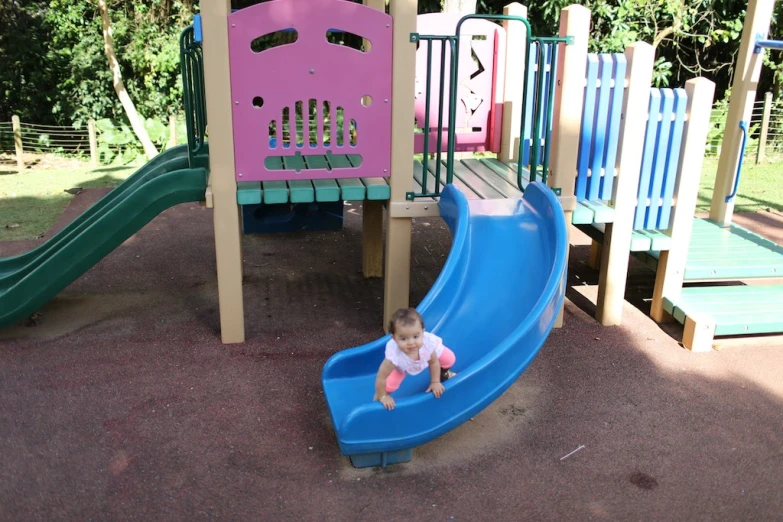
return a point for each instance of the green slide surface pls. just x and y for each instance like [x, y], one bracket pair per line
[31, 279]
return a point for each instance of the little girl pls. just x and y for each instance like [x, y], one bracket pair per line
[409, 351]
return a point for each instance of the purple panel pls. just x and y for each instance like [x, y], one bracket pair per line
[476, 91]
[310, 68]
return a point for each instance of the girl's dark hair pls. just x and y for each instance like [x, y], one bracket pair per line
[405, 316]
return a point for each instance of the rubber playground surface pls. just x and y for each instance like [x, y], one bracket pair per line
[120, 402]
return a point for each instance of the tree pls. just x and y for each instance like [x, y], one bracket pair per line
[130, 110]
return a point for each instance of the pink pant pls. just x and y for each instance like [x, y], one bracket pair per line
[446, 360]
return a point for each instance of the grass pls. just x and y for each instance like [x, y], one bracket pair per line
[32, 200]
[760, 188]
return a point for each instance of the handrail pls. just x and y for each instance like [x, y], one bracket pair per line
[744, 126]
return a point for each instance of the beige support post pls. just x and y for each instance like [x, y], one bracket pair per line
[699, 333]
[226, 211]
[671, 264]
[743, 92]
[568, 103]
[372, 212]
[617, 236]
[513, 82]
[172, 130]
[760, 153]
[17, 128]
[93, 142]
[595, 255]
[398, 229]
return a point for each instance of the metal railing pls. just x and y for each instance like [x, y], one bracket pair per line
[192, 65]
[543, 99]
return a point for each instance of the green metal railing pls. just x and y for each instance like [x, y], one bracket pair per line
[192, 66]
[540, 107]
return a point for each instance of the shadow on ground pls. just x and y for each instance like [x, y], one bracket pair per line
[121, 402]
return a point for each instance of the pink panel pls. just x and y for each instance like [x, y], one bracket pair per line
[479, 98]
[311, 68]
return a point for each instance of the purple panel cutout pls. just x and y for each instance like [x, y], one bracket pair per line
[310, 68]
[480, 98]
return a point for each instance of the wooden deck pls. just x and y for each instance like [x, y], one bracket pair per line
[727, 254]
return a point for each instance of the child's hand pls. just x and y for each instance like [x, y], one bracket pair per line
[388, 402]
[436, 388]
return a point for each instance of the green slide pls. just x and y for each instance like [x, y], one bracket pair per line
[29, 280]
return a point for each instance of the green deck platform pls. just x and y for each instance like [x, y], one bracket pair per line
[485, 178]
[736, 310]
[727, 254]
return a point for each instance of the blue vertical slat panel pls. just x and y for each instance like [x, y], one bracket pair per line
[648, 155]
[661, 154]
[530, 91]
[600, 128]
[615, 113]
[586, 135]
[673, 158]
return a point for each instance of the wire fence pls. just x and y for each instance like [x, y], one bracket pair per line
[74, 141]
[755, 147]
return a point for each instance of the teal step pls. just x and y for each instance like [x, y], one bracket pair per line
[736, 310]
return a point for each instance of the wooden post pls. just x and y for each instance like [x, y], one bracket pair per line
[743, 92]
[372, 212]
[222, 185]
[172, 130]
[513, 81]
[17, 127]
[398, 229]
[764, 128]
[568, 103]
[616, 249]
[671, 264]
[93, 142]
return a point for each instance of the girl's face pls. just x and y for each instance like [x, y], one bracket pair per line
[409, 338]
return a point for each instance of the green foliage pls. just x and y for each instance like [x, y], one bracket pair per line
[75, 83]
[117, 142]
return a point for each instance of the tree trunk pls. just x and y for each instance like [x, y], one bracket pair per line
[462, 7]
[130, 110]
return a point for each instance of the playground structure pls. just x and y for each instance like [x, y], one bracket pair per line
[319, 133]
[718, 251]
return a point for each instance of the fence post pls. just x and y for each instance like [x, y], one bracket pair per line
[764, 128]
[93, 142]
[513, 81]
[172, 130]
[17, 126]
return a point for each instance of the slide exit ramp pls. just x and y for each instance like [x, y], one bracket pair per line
[494, 303]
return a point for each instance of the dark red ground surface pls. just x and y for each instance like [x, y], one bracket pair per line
[120, 402]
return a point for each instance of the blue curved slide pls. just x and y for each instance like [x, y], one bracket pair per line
[494, 303]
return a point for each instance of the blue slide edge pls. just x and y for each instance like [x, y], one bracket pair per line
[368, 428]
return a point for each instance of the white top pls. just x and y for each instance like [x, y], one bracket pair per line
[401, 361]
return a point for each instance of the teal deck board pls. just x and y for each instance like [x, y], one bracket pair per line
[640, 242]
[275, 192]
[474, 182]
[736, 310]
[351, 189]
[602, 213]
[506, 172]
[378, 189]
[249, 193]
[491, 178]
[432, 167]
[582, 215]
